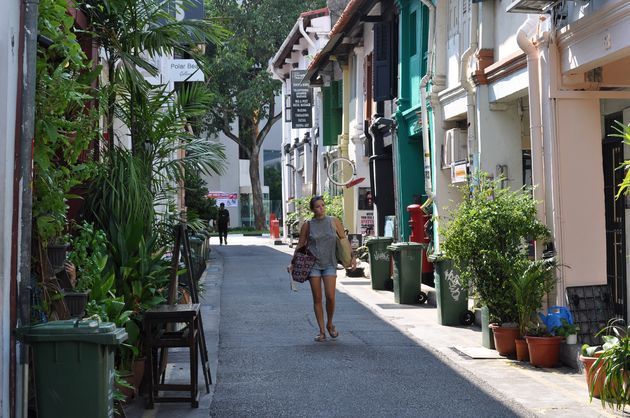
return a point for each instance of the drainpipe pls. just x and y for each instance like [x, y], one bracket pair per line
[305, 35]
[27, 132]
[465, 81]
[535, 117]
[426, 147]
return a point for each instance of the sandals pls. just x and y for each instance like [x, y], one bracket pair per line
[332, 331]
[320, 338]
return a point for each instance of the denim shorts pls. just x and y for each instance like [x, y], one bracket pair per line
[328, 271]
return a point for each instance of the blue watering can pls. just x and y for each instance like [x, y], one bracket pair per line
[554, 317]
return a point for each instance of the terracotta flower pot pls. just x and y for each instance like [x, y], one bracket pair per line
[522, 350]
[589, 375]
[138, 372]
[544, 351]
[504, 338]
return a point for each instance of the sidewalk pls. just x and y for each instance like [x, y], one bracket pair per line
[559, 392]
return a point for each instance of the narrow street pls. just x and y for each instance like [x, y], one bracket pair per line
[390, 360]
[269, 364]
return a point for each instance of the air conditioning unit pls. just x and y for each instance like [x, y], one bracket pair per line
[455, 148]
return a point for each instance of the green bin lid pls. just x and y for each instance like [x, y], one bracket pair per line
[91, 331]
[406, 246]
[375, 240]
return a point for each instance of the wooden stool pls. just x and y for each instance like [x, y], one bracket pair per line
[158, 335]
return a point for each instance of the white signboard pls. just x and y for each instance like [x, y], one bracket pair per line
[181, 70]
[229, 199]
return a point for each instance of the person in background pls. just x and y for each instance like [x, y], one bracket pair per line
[223, 222]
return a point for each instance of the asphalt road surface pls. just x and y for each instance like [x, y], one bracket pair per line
[269, 365]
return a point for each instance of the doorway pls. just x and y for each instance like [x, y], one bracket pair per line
[615, 216]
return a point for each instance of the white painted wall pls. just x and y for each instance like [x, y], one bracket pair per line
[505, 27]
[581, 192]
[9, 39]
[9, 60]
[499, 133]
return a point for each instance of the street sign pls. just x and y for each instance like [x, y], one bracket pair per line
[301, 101]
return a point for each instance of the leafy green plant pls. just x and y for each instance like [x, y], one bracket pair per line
[566, 329]
[65, 123]
[89, 255]
[530, 281]
[487, 238]
[614, 365]
[334, 207]
[623, 131]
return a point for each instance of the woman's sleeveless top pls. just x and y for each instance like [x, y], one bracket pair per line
[322, 242]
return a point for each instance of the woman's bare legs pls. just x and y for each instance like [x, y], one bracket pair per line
[330, 282]
[316, 289]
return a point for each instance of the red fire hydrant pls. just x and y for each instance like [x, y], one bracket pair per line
[274, 226]
[417, 219]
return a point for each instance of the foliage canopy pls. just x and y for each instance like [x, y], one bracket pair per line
[487, 238]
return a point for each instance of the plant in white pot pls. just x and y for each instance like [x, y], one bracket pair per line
[487, 238]
[568, 331]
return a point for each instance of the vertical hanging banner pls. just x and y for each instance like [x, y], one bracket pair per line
[301, 101]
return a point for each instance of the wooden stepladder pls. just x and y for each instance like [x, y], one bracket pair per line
[161, 334]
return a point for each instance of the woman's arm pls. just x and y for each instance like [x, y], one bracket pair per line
[341, 232]
[303, 237]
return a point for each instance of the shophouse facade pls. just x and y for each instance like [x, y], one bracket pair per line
[357, 73]
[304, 138]
[526, 91]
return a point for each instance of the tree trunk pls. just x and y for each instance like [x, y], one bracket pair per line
[257, 197]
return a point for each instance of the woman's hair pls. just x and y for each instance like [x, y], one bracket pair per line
[314, 199]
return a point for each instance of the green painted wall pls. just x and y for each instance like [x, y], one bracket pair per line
[413, 25]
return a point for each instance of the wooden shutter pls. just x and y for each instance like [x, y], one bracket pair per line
[382, 71]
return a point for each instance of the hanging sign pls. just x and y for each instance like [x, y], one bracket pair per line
[229, 199]
[182, 70]
[301, 101]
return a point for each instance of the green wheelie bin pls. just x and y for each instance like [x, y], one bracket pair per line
[73, 364]
[452, 297]
[379, 261]
[407, 275]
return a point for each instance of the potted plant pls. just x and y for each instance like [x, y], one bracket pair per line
[532, 279]
[87, 260]
[568, 331]
[486, 237]
[588, 356]
[543, 346]
[612, 366]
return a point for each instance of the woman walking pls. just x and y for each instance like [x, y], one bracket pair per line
[320, 234]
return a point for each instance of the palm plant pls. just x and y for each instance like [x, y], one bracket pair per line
[133, 33]
[161, 122]
[532, 279]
